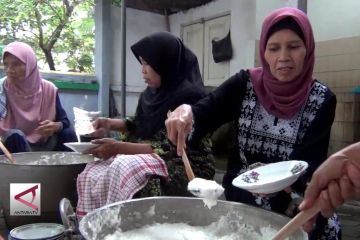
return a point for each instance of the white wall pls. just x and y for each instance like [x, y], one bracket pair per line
[246, 20]
[139, 24]
[207, 10]
[330, 20]
[333, 19]
[242, 27]
[263, 8]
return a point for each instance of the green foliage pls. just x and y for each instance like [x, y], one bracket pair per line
[116, 3]
[64, 29]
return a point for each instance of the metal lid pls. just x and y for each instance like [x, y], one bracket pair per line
[38, 231]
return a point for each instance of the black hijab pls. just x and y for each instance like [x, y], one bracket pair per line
[181, 81]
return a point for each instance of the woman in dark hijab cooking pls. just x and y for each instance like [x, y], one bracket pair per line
[145, 164]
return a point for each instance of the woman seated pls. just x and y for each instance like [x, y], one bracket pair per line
[146, 164]
[31, 115]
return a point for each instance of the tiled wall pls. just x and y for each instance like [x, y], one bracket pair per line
[337, 65]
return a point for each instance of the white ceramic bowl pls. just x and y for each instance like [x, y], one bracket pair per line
[272, 177]
[80, 147]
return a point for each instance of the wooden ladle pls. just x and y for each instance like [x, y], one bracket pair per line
[207, 189]
[6, 152]
[188, 169]
[297, 222]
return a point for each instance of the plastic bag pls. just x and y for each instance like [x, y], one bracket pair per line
[222, 49]
[83, 121]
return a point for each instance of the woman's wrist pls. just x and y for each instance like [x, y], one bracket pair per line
[134, 148]
[60, 126]
[116, 124]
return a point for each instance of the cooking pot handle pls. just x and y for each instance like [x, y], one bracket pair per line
[68, 217]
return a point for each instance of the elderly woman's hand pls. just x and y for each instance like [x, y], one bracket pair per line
[107, 148]
[179, 125]
[48, 128]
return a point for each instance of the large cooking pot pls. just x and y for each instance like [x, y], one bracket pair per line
[132, 214]
[56, 172]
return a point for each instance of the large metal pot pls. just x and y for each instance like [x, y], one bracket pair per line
[56, 172]
[136, 213]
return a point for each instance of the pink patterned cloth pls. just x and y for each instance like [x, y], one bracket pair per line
[116, 179]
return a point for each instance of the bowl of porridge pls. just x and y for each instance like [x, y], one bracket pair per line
[182, 218]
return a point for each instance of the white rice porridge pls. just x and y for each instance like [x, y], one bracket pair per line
[220, 230]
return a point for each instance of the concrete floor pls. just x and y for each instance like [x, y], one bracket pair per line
[350, 219]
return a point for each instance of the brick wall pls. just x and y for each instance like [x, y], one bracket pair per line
[337, 65]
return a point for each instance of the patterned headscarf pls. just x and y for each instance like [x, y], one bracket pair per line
[284, 99]
[28, 103]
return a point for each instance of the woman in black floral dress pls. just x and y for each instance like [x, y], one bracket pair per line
[280, 110]
[172, 75]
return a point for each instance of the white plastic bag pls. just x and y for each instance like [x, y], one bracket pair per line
[83, 121]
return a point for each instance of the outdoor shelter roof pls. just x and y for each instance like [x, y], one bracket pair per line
[165, 6]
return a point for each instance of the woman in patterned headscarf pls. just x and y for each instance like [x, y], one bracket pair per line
[145, 164]
[31, 115]
[280, 110]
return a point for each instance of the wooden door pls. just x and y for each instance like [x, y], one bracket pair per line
[193, 38]
[198, 37]
[215, 73]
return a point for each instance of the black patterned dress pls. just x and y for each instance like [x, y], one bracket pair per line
[262, 137]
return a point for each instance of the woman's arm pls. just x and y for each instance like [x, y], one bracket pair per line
[48, 128]
[61, 117]
[220, 106]
[102, 126]
[110, 124]
[111, 147]
[217, 108]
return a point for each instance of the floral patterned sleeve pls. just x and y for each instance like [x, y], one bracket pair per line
[159, 146]
[200, 157]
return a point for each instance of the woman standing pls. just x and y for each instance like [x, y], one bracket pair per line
[281, 113]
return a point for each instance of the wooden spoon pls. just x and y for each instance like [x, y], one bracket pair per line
[188, 169]
[296, 223]
[6, 152]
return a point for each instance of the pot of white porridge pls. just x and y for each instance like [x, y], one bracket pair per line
[31, 189]
[182, 218]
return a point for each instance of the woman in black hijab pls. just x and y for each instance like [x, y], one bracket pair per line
[172, 75]
[181, 81]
